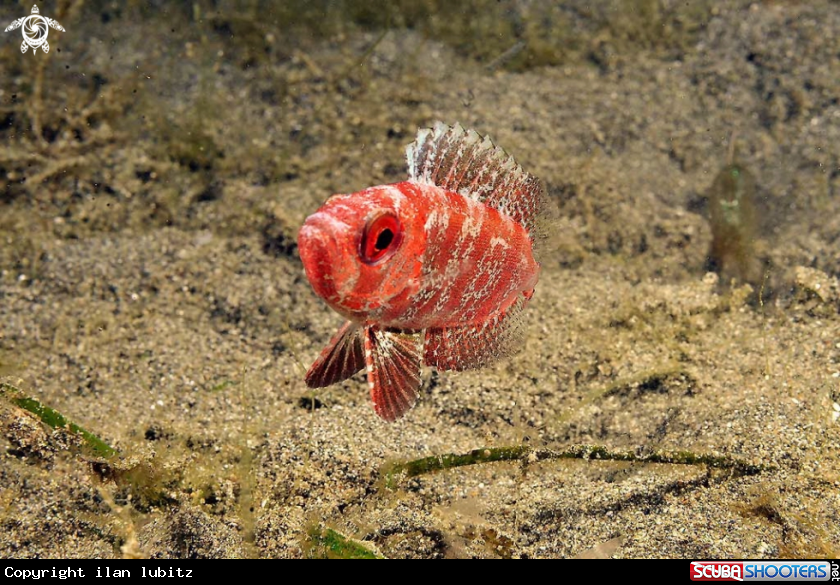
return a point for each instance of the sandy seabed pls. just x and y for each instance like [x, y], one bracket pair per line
[151, 291]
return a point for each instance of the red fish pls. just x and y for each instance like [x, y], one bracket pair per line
[435, 270]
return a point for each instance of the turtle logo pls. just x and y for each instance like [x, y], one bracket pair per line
[35, 29]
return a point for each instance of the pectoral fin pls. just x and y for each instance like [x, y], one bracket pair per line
[343, 357]
[393, 361]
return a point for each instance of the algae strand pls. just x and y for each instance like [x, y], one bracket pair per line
[528, 454]
[330, 543]
[54, 419]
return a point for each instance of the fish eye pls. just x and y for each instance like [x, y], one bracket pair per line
[381, 237]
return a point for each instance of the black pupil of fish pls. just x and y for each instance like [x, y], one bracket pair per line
[384, 239]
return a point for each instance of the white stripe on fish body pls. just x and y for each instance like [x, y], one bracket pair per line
[397, 197]
[497, 241]
[444, 262]
[488, 276]
[440, 267]
[474, 221]
[437, 218]
[451, 259]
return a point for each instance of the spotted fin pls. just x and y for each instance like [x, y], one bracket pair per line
[393, 361]
[343, 357]
[464, 162]
[475, 346]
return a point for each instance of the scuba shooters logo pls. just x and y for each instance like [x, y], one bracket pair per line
[35, 29]
[765, 571]
[717, 571]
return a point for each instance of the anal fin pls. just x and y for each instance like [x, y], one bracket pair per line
[343, 357]
[475, 346]
[393, 361]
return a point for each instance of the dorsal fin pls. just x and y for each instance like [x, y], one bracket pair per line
[464, 162]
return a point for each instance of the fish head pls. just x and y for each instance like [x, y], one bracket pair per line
[361, 252]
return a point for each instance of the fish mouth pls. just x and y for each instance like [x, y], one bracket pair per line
[316, 245]
[323, 256]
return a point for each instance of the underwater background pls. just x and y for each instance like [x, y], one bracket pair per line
[678, 394]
